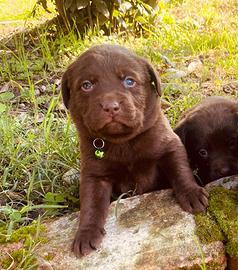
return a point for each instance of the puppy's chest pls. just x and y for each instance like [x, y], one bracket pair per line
[129, 170]
[138, 177]
[129, 153]
[121, 153]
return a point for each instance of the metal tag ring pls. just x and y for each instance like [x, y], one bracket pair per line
[98, 143]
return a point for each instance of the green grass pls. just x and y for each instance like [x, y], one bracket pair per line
[16, 9]
[38, 142]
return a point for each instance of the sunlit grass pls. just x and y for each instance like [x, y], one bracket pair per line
[16, 9]
[34, 154]
[179, 37]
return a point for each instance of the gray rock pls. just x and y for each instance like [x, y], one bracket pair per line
[37, 91]
[167, 61]
[71, 177]
[151, 232]
[230, 87]
[229, 182]
[172, 73]
[195, 67]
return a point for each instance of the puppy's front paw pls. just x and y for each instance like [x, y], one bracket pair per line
[193, 200]
[87, 240]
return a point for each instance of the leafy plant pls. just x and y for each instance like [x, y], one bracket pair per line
[18, 216]
[5, 97]
[111, 15]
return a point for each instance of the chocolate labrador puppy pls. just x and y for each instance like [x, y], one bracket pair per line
[209, 132]
[125, 140]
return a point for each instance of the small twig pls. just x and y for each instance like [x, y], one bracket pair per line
[89, 10]
[12, 263]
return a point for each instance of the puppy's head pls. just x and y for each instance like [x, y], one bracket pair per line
[210, 135]
[111, 92]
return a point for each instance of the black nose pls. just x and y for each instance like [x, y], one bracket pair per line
[222, 171]
[111, 107]
[225, 170]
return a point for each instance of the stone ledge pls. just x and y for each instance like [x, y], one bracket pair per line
[151, 232]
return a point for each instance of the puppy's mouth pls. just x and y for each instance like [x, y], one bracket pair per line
[116, 129]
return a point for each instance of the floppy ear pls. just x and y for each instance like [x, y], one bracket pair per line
[155, 81]
[181, 131]
[65, 90]
[187, 133]
[154, 78]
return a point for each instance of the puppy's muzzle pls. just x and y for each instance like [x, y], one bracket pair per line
[110, 107]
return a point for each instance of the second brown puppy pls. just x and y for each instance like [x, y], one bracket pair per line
[126, 142]
[210, 135]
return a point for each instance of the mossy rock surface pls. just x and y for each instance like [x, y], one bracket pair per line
[220, 223]
[224, 208]
[23, 234]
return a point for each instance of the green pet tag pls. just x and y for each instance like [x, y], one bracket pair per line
[98, 143]
[99, 154]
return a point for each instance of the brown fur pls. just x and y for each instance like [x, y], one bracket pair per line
[139, 142]
[212, 126]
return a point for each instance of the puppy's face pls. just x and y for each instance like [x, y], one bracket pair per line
[210, 135]
[111, 91]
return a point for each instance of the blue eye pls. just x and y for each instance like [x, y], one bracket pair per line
[129, 82]
[87, 86]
